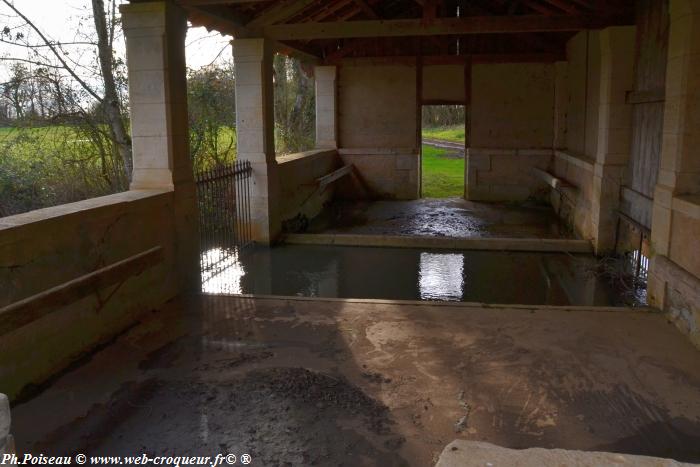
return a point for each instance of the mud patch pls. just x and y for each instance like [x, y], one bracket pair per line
[280, 416]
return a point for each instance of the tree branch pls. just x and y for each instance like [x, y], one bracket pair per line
[52, 47]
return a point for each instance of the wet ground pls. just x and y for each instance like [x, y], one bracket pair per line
[449, 217]
[415, 274]
[298, 382]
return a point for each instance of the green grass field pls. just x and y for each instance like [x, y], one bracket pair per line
[448, 133]
[442, 176]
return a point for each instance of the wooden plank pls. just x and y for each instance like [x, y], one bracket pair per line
[218, 2]
[441, 26]
[333, 176]
[335, 59]
[25, 311]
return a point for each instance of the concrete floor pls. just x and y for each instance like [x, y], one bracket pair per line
[450, 217]
[323, 382]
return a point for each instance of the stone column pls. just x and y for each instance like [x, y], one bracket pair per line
[614, 131]
[155, 46]
[255, 132]
[679, 172]
[326, 107]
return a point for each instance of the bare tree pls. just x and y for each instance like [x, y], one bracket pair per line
[108, 99]
[105, 39]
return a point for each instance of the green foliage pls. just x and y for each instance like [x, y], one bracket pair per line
[211, 99]
[443, 176]
[295, 116]
[453, 133]
[51, 165]
[443, 115]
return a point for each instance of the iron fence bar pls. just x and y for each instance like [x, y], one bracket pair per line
[223, 194]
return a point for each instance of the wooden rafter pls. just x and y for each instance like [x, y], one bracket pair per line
[565, 6]
[367, 9]
[442, 26]
[218, 2]
[279, 12]
[328, 10]
[535, 5]
[201, 17]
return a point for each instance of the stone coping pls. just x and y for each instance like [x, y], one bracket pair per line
[55, 212]
[287, 158]
[452, 243]
[583, 162]
[449, 304]
[465, 453]
[372, 151]
[688, 205]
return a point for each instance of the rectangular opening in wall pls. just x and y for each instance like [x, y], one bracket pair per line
[442, 151]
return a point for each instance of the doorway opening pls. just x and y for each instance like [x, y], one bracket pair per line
[442, 151]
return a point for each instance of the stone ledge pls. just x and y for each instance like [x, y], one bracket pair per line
[462, 453]
[688, 205]
[377, 151]
[54, 212]
[452, 243]
[287, 158]
[575, 159]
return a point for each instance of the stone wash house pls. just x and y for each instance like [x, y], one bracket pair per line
[107, 344]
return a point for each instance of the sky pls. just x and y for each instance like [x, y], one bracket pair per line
[61, 21]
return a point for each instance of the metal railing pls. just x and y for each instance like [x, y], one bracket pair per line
[223, 196]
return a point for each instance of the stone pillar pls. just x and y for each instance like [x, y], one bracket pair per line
[614, 131]
[155, 46]
[255, 132]
[326, 107]
[679, 172]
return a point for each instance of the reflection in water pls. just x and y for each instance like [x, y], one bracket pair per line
[222, 271]
[441, 276]
[409, 274]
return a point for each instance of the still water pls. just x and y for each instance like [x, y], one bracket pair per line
[410, 274]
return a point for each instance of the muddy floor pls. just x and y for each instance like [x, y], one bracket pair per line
[449, 217]
[299, 382]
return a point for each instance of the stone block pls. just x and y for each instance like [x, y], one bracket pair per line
[406, 161]
[149, 120]
[478, 161]
[661, 229]
[509, 192]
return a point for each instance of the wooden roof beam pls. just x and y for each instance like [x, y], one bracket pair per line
[217, 2]
[565, 6]
[279, 12]
[443, 26]
[368, 10]
[200, 17]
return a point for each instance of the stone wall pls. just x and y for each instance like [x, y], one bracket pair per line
[511, 131]
[392, 173]
[48, 247]
[593, 144]
[443, 84]
[299, 192]
[505, 174]
[575, 206]
[378, 129]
